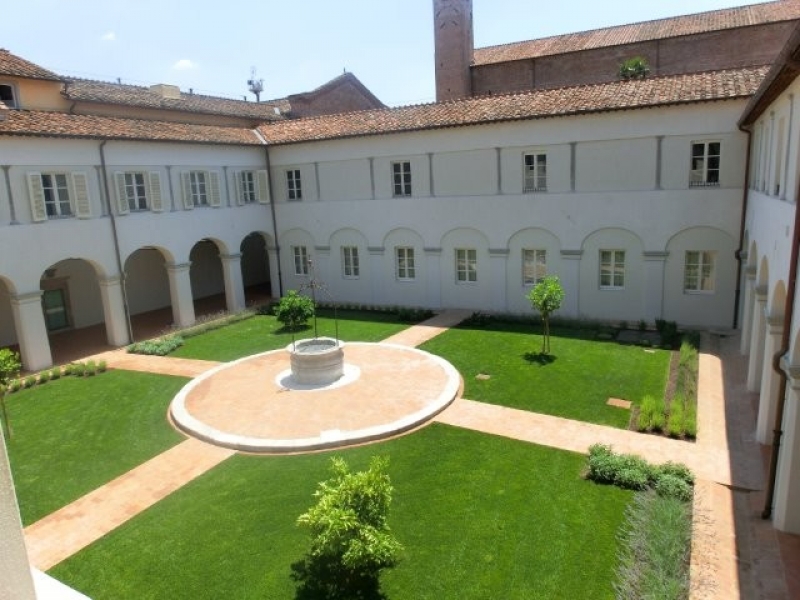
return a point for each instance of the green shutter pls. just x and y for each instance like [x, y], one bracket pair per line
[122, 197]
[80, 184]
[262, 187]
[156, 200]
[36, 192]
[213, 189]
[187, 191]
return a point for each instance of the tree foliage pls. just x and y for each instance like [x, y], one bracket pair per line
[348, 523]
[9, 369]
[634, 68]
[294, 310]
[546, 297]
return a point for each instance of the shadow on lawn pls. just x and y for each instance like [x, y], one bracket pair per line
[318, 579]
[540, 359]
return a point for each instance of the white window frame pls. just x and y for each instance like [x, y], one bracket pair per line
[466, 265]
[136, 193]
[405, 268]
[699, 272]
[198, 188]
[534, 265]
[248, 187]
[401, 178]
[612, 269]
[351, 268]
[534, 168]
[300, 257]
[701, 173]
[57, 197]
[294, 185]
[14, 104]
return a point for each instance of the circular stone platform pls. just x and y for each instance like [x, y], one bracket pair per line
[251, 405]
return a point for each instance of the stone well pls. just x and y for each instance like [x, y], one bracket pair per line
[316, 361]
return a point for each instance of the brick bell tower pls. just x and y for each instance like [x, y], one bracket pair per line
[454, 45]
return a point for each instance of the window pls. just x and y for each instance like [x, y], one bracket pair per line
[7, 95]
[294, 188]
[56, 195]
[698, 273]
[535, 172]
[466, 265]
[198, 188]
[612, 269]
[135, 191]
[401, 177]
[247, 187]
[404, 263]
[300, 260]
[350, 268]
[534, 266]
[705, 164]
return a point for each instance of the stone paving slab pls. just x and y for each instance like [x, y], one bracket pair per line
[428, 329]
[166, 365]
[66, 531]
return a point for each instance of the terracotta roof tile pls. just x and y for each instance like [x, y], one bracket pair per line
[133, 95]
[11, 64]
[52, 124]
[770, 12]
[619, 95]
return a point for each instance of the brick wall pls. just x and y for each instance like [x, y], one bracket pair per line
[453, 47]
[732, 48]
[345, 97]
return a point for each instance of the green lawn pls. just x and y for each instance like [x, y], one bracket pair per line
[479, 516]
[575, 384]
[262, 333]
[73, 435]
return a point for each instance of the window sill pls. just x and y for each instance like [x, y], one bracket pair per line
[704, 185]
[611, 289]
[699, 292]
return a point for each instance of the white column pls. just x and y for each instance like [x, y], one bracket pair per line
[180, 293]
[274, 272]
[747, 309]
[15, 572]
[757, 339]
[786, 515]
[498, 257]
[234, 286]
[114, 311]
[34, 346]
[770, 380]
[433, 271]
[570, 276]
[654, 285]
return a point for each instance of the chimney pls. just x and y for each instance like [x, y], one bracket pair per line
[454, 46]
[173, 92]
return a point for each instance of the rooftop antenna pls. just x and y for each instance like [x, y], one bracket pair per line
[256, 85]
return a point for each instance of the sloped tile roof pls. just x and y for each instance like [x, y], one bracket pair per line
[84, 90]
[755, 14]
[53, 124]
[13, 65]
[618, 95]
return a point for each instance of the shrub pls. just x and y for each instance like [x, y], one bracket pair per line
[29, 381]
[55, 373]
[632, 472]
[294, 310]
[44, 376]
[678, 470]
[660, 323]
[642, 325]
[157, 347]
[348, 524]
[672, 486]
[14, 385]
[77, 369]
[413, 315]
[102, 366]
[655, 541]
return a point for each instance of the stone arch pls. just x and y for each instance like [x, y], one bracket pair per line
[348, 271]
[599, 298]
[255, 264]
[206, 275]
[404, 270]
[466, 283]
[147, 290]
[297, 248]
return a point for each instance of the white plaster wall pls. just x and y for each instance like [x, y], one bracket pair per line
[475, 295]
[331, 272]
[85, 303]
[403, 292]
[146, 281]
[469, 173]
[420, 174]
[618, 165]
[345, 180]
[700, 309]
[206, 270]
[300, 237]
[531, 239]
[558, 167]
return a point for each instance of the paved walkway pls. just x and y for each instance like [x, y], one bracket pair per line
[735, 554]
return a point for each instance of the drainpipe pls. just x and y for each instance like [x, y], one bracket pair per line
[776, 364]
[274, 220]
[117, 253]
[738, 253]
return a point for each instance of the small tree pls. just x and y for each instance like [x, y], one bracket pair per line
[634, 68]
[351, 541]
[294, 310]
[9, 369]
[546, 297]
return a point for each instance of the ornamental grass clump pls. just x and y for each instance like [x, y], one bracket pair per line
[157, 347]
[632, 472]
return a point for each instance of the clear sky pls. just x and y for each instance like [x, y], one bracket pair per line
[294, 46]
